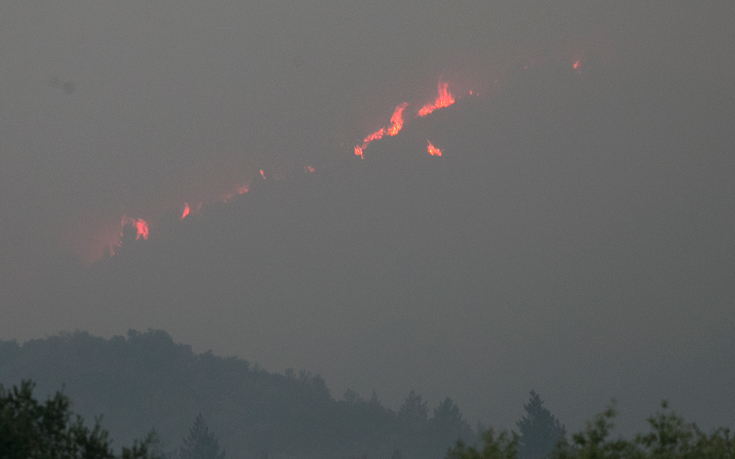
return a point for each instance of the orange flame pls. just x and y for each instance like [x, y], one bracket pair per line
[433, 151]
[444, 98]
[228, 197]
[308, 170]
[262, 174]
[139, 224]
[374, 136]
[186, 210]
[396, 121]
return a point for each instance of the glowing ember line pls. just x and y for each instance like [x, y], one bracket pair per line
[375, 136]
[140, 225]
[262, 174]
[396, 121]
[443, 99]
[433, 151]
[186, 211]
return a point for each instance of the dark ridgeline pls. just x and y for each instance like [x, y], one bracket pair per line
[147, 381]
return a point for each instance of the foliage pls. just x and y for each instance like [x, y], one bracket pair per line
[539, 430]
[33, 430]
[200, 443]
[504, 445]
[593, 441]
[670, 437]
[414, 409]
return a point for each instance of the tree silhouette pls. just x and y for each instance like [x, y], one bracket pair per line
[414, 409]
[448, 426]
[30, 429]
[447, 416]
[200, 443]
[540, 431]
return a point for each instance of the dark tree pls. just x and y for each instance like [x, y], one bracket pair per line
[448, 417]
[200, 443]
[33, 430]
[540, 431]
[502, 445]
[448, 425]
[414, 409]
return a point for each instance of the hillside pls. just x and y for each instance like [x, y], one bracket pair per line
[146, 380]
[575, 237]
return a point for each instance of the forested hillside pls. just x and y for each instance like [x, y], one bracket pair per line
[146, 380]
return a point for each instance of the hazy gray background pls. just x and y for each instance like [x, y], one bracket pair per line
[589, 227]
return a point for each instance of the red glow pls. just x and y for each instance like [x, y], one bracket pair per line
[374, 136]
[139, 224]
[443, 99]
[228, 197]
[433, 151]
[396, 121]
[579, 57]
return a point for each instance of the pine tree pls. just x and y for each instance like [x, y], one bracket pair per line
[32, 429]
[200, 443]
[540, 431]
[414, 409]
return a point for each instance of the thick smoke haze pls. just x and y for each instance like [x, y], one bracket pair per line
[576, 236]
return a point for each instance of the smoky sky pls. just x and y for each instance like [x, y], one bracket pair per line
[575, 238]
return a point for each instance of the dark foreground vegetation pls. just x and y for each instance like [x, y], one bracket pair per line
[30, 429]
[149, 387]
[670, 437]
[146, 381]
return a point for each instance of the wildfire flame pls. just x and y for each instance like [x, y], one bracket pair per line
[375, 135]
[443, 99]
[396, 123]
[433, 151]
[139, 224]
[228, 197]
